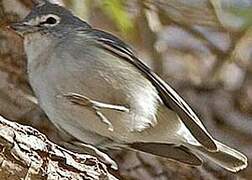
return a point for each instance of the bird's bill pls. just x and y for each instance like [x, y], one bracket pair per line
[20, 27]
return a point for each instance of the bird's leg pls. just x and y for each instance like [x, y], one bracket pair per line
[96, 106]
[83, 100]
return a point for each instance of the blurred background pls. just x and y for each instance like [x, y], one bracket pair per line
[203, 48]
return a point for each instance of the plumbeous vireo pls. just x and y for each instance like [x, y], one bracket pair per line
[92, 86]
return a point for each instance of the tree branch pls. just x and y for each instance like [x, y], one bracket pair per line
[28, 154]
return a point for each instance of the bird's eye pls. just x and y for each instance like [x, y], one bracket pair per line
[50, 20]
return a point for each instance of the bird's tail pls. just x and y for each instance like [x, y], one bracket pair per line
[226, 157]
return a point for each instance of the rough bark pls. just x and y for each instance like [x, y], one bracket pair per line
[28, 154]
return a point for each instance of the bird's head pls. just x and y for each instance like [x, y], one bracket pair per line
[50, 18]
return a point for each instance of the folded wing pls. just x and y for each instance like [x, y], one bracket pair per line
[169, 97]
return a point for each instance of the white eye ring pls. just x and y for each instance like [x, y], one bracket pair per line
[50, 20]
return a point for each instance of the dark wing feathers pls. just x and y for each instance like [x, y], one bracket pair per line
[170, 98]
[172, 151]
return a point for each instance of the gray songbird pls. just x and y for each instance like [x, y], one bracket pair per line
[93, 88]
